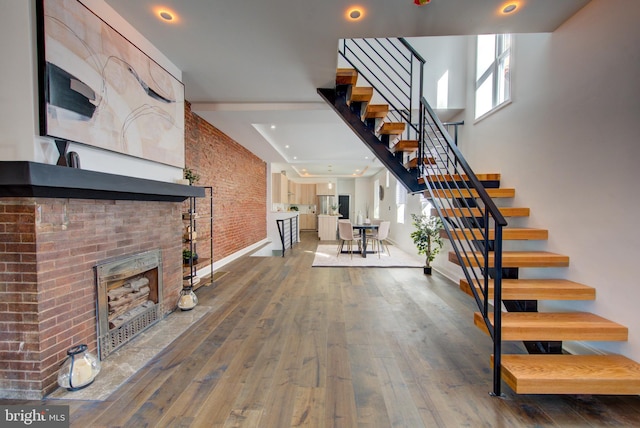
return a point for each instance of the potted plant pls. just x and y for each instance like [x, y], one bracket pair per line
[189, 257]
[427, 237]
[192, 176]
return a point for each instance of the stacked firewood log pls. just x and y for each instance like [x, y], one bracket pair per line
[128, 301]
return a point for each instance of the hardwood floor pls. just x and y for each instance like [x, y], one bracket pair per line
[292, 345]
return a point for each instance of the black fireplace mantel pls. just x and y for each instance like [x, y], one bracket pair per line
[32, 179]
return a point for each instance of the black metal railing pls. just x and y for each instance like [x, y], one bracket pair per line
[393, 71]
[288, 230]
[472, 221]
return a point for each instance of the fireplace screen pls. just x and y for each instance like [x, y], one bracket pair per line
[129, 298]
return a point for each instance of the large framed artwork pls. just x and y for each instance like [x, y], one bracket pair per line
[98, 89]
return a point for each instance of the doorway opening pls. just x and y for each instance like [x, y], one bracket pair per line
[345, 205]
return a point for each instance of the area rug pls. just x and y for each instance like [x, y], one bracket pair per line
[326, 257]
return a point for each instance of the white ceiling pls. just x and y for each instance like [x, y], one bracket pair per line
[248, 65]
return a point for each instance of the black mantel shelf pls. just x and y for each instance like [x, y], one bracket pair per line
[32, 179]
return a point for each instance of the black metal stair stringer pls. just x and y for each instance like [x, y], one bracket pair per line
[381, 151]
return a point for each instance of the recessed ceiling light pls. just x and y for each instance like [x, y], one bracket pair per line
[366, 157]
[509, 7]
[286, 147]
[273, 127]
[295, 157]
[355, 13]
[167, 16]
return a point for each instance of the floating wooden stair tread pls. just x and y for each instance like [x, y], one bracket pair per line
[515, 259]
[550, 326]
[406, 146]
[571, 374]
[475, 212]
[392, 128]
[471, 193]
[346, 76]
[413, 163]
[508, 233]
[360, 94]
[375, 111]
[458, 177]
[538, 289]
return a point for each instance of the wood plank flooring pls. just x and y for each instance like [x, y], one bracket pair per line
[292, 345]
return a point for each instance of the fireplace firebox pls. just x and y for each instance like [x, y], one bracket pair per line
[129, 298]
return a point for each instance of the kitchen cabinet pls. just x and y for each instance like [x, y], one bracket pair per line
[327, 227]
[307, 222]
[307, 194]
[279, 189]
[323, 189]
[295, 196]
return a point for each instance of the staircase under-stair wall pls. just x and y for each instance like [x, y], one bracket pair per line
[547, 368]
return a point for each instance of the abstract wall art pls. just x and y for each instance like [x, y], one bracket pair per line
[98, 89]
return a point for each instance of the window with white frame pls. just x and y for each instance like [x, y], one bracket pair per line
[376, 200]
[401, 202]
[493, 72]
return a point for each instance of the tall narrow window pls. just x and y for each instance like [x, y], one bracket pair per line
[493, 81]
[401, 202]
[376, 200]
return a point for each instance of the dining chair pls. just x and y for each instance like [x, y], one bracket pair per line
[381, 234]
[345, 233]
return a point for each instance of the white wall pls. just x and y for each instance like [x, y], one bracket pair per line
[444, 54]
[19, 120]
[18, 95]
[569, 144]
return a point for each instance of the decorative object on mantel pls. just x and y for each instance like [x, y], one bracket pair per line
[71, 159]
[63, 146]
[98, 89]
[79, 369]
[192, 176]
[427, 237]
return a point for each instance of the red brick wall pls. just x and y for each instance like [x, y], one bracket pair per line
[19, 336]
[48, 248]
[239, 181]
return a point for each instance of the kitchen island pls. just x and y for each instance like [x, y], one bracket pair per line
[327, 227]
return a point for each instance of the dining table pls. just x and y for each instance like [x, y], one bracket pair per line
[363, 236]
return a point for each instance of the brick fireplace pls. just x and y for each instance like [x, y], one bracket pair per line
[49, 247]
